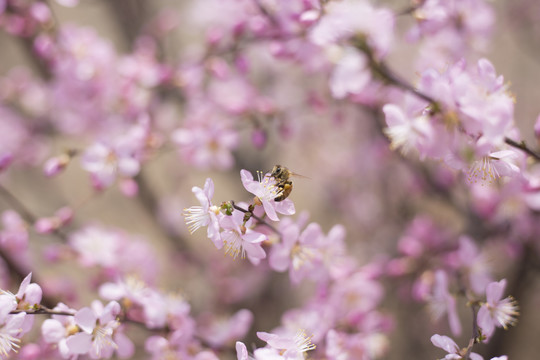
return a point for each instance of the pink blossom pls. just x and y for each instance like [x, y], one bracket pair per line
[266, 191]
[441, 302]
[413, 129]
[57, 329]
[289, 346]
[10, 332]
[48, 225]
[219, 332]
[106, 162]
[299, 253]
[496, 311]
[96, 246]
[351, 346]
[450, 346]
[474, 265]
[97, 337]
[351, 74]
[206, 214]
[14, 235]
[55, 165]
[240, 240]
[207, 144]
[343, 20]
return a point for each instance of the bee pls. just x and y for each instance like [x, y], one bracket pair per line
[282, 176]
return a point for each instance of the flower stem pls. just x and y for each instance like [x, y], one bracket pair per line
[256, 218]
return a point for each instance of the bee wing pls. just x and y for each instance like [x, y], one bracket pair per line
[299, 176]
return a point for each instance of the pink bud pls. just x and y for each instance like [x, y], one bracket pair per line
[55, 165]
[309, 17]
[64, 215]
[30, 352]
[45, 225]
[129, 187]
[41, 12]
[214, 36]
[258, 138]
[219, 68]
[5, 160]
[33, 294]
[258, 24]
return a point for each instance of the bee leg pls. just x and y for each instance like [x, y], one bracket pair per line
[285, 190]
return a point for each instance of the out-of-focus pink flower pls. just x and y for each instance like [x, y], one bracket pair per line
[105, 163]
[68, 3]
[14, 235]
[493, 166]
[207, 145]
[496, 311]
[219, 332]
[56, 164]
[346, 19]
[472, 264]
[363, 346]
[289, 346]
[266, 191]
[96, 246]
[61, 217]
[299, 253]
[450, 346]
[116, 251]
[351, 74]
[441, 302]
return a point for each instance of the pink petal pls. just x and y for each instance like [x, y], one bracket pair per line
[126, 348]
[494, 291]
[209, 188]
[79, 343]
[270, 211]
[86, 319]
[241, 351]
[52, 331]
[394, 115]
[285, 207]
[445, 343]
[23, 286]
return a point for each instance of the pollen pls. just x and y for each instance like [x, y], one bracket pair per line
[303, 342]
[233, 244]
[483, 171]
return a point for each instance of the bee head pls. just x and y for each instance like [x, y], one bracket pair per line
[277, 171]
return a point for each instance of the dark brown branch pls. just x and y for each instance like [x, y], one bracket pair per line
[261, 221]
[26, 214]
[523, 147]
[43, 311]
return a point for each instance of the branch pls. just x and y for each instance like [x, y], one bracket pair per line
[261, 221]
[522, 146]
[23, 210]
[43, 311]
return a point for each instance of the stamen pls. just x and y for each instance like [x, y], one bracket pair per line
[303, 342]
[195, 217]
[484, 171]
[233, 244]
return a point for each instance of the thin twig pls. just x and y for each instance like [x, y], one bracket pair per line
[43, 311]
[25, 212]
[261, 221]
[522, 146]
